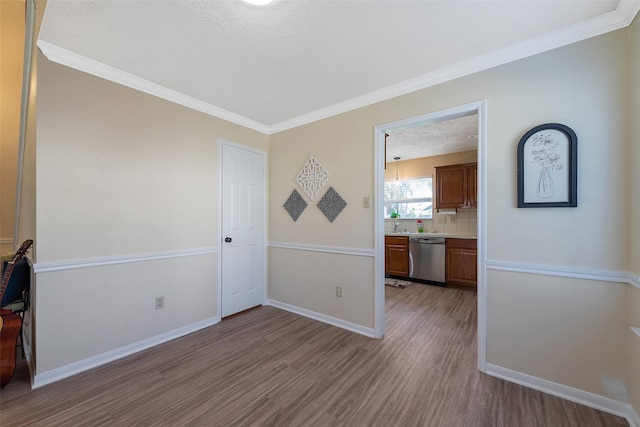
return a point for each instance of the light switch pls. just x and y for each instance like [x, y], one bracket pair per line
[366, 202]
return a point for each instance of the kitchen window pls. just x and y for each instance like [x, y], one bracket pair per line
[409, 198]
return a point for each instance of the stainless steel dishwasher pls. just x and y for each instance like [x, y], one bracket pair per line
[427, 259]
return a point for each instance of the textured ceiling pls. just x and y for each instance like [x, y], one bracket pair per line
[434, 139]
[272, 65]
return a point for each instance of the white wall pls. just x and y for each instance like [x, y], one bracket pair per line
[569, 331]
[634, 147]
[634, 348]
[585, 90]
[582, 86]
[308, 280]
[112, 182]
[86, 312]
[634, 214]
[122, 176]
[27, 212]
[12, 28]
[588, 93]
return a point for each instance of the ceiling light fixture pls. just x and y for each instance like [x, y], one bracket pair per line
[396, 159]
[259, 2]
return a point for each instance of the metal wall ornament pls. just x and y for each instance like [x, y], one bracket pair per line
[548, 167]
[331, 204]
[312, 177]
[295, 205]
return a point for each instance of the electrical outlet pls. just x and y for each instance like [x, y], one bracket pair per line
[452, 219]
[338, 291]
[441, 219]
[159, 303]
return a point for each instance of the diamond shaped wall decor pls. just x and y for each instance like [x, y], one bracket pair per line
[312, 177]
[331, 204]
[294, 205]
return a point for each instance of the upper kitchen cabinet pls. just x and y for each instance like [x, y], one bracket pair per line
[456, 186]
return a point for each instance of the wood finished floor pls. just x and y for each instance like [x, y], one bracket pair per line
[269, 367]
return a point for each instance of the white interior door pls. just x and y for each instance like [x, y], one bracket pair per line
[243, 229]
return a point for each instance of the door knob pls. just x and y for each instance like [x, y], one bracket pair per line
[227, 239]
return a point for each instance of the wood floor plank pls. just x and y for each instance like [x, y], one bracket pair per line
[268, 367]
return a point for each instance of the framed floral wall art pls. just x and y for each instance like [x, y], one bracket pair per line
[548, 167]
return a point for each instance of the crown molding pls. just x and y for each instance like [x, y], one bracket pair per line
[617, 19]
[614, 20]
[82, 63]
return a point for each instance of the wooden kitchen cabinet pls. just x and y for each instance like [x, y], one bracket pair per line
[396, 256]
[456, 186]
[461, 263]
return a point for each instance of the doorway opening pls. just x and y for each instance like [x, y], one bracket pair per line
[479, 110]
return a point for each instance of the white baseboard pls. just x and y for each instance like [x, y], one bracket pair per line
[57, 374]
[582, 397]
[353, 327]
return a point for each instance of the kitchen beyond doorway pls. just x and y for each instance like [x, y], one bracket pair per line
[476, 110]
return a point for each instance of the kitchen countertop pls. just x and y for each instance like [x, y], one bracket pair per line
[427, 235]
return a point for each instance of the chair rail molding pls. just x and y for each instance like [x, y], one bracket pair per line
[327, 249]
[74, 264]
[566, 271]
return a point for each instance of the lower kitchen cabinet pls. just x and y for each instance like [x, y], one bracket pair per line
[462, 263]
[396, 256]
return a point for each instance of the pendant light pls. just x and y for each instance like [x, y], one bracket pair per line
[396, 159]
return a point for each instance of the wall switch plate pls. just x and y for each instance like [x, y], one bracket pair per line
[338, 291]
[366, 202]
[159, 303]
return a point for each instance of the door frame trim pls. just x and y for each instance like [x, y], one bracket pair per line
[479, 107]
[265, 277]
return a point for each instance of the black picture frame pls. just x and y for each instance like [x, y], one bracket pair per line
[548, 167]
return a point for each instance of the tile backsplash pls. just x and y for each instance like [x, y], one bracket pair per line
[464, 222]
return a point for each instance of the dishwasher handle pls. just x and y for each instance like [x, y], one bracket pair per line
[427, 241]
[410, 263]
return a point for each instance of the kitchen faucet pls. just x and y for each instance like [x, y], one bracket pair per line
[395, 227]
